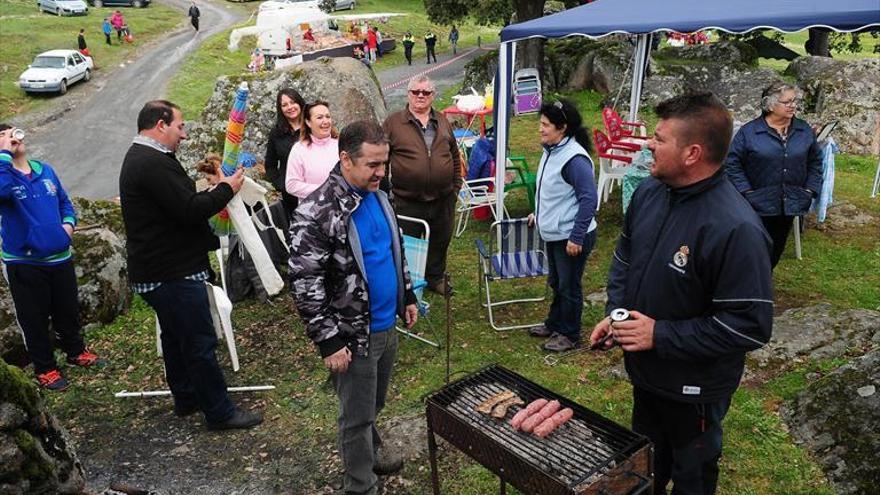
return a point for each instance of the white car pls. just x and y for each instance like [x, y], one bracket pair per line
[55, 70]
[63, 7]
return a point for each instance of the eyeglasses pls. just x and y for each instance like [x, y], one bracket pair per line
[420, 92]
[790, 103]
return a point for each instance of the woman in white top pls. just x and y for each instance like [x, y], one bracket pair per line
[315, 155]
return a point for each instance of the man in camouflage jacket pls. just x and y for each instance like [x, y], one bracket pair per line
[350, 281]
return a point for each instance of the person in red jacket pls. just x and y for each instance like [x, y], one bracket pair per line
[372, 44]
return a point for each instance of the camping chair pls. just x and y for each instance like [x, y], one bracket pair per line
[610, 165]
[523, 178]
[474, 194]
[611, 118]
[416, 253]
[221, 313]
[515, 252]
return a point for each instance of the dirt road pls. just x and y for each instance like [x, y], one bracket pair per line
[87, 144]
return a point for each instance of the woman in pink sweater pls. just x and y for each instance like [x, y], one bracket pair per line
[315, 155]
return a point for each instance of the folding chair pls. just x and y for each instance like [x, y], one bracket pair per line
[416, 252]
[612, 119]
[474, 194]
[515, 252]
[221, 313]
[876, 187]
[522, 178]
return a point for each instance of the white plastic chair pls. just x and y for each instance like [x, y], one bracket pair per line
[474, 194]
[221, 313]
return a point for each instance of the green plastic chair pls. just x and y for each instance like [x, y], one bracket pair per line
[523, 178]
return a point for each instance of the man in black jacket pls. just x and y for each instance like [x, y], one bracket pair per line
[194, 15]
[692, 266]
[168, 239]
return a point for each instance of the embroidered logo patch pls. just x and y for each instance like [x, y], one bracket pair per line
[50, 187]
[681, 257]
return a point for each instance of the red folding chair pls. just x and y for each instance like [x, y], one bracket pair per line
[627, 129]
[612, 166]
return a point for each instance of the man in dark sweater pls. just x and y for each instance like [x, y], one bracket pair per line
[692, 266]
[166, 224]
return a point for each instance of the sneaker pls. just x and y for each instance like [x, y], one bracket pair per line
[387, 462]
[560, 343]
[52, 380]
[540, 331]
[240, 419]
[86, 359]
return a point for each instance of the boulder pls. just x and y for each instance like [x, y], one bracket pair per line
[818, 332]
[846, 91]
[601, 67]
[350, 87]
[837, 419]
[36, 453]
[738, 85]
[480, 71]
[728, 52]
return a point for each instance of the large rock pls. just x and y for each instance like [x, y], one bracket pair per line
[728, 52]
[36, 454]
[838, 419]
[739, 86]
[601, 67]
[818, 332]
[99, 258]
[350, 87]
[846, 91]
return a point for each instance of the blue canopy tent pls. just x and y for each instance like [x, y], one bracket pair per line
[644, 17]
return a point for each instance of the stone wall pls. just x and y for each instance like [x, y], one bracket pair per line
[36, 453]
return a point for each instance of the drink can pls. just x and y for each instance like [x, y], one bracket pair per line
[618, 315]
[18, 134]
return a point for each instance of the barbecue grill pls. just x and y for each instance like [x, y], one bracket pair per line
[588, 455]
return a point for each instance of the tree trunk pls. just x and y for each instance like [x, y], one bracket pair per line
[817, 43]
[529, 53]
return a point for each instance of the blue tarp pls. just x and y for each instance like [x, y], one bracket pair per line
[604, 17]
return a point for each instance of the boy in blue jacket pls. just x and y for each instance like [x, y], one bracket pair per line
[36, 224]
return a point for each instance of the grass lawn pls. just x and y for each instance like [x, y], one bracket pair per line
[192, 86]
[27, 32]
[795, 42]
[840, 267]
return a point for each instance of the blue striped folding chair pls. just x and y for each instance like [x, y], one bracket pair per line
[415, 249]
[515, 252]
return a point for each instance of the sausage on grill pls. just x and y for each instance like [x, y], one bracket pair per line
[527, 411]
[553, 422]
[536, 419]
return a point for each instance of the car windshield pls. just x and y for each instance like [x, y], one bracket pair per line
[48, 63]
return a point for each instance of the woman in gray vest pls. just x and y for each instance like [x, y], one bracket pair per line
[565, 211]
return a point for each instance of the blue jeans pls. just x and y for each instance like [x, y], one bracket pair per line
[564, 279]
[188, 343]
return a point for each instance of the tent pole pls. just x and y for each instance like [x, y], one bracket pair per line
[640, 57]
[502, 109]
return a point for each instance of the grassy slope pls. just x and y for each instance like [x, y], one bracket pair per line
[26, 33]
[193, 84]
[795, 41]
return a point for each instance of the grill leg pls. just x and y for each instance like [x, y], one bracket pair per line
[432, 455]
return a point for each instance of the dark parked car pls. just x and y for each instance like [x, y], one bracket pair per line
[123, 3]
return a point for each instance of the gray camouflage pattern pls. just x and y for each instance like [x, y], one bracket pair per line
[326, 266]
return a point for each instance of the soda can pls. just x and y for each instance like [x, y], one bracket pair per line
[18, 134]
[619, 314]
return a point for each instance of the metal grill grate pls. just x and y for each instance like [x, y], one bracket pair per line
[576, 456]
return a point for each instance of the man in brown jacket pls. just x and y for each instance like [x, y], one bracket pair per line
[425, 172]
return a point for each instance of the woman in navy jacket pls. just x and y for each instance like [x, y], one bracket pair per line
[775, 163]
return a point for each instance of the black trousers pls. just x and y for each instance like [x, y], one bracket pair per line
[430, 52]
[439, 214]
[41, 293]
[778, 227]
[407, 52]
[107, 38]
[687, 441]
[195, 22]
